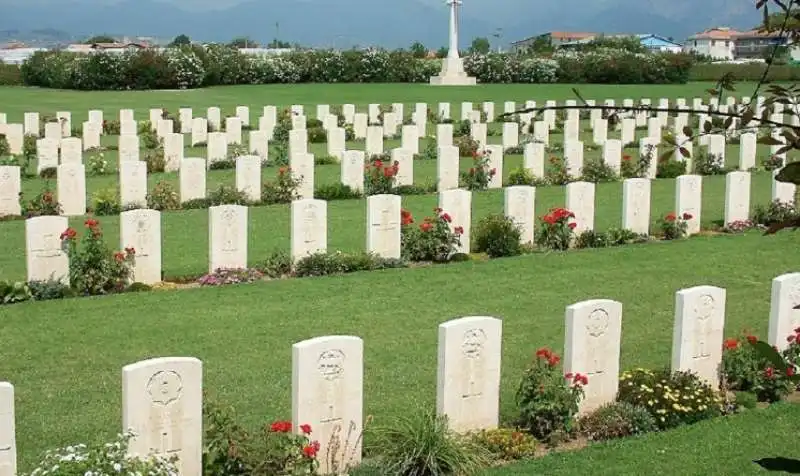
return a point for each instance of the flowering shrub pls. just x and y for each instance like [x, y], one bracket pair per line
[106, 201]
[194, 66]
[283, 190]
[163, 197]
[773, 162]
[431, 240]
[380, 177]
[556, 229]
[467, 146]
[93, 268]
[497, 236]
[96, 164]
[5, 149]
[283, 452]
[630, 168]
[43, 204]
[745, 369]
[775, 212]
[738, 226]
[506, 444]
[547, 406]
[225, 276]
[596, 170]
[557, 171]
[104, 459]
[479, 175]
[792, 352]
[673, 226]
[708, 164]
[673, 398]
[617, 420]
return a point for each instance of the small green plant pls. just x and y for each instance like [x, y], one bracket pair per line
[670, 168]
[547, 404]
[327, 263]
[497, 236]
[521, 176]
[96, 164]
[617, 420]
[50, 289]
[380, 177]
[14, 292]
[43, 204]
[673, 398]
[430, 152]
[480, 174]
[111, 127]
[227, 195]
[222, 164]
[325, 160]
[708, 164]
[277, 265]
[163, 197]
[623, 236]
[774, 212]
[93, 268]
[596, 170]
[506, 444]
[674, 227]
[422, 444]
[772, 162]
[591, 239]
[317, 135]
[557, 171]
[467, 146]
[5, 148]
[432, 240]
[155, 160]
[48, 173]
[556, 230]
[282, 190]
[226, 276]
[336, 191]
[150, 139]
[106, 202]
[638, 168]
[744, 369]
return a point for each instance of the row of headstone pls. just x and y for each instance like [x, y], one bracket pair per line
[162, 397]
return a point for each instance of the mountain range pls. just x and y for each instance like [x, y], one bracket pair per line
[372, 22]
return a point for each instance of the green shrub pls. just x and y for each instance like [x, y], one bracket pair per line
[50, 289]
[325, 160]
[521, 176]
[431, 240]
[743, 72]
[138, 288]
[430, 152]
[467, 146]
[506, 444]
[10, 75]
[96, 164]
[226, 276]
[497, 236]
[708, 164]
[422, 444]
[744, 369]
[415, 189]
[623, 236]
[670, 168]
[597, 171]
[547, 406]
[673, 398]
[746, 400]
[617, 420]
[555, 230]
[155, 160]
[774, 212]
[163, 197]
[327, 263]
[5, 148]
[14, 292]
[282, 190]
[277, 265]
[150, 139]
[48, 173]
[93, 268]
[317, 135]
[43, 204]
[479, 175]
[227, 195]
[106, 202]
[222, 164]
[591, 239]
[336, 191]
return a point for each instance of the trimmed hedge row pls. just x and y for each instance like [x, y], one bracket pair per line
[10, 75]
[744, 72]
[192, 67]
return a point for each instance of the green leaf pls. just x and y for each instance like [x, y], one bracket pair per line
[789, 174]
[665, 156]
[769, 140]
[685, 152]
[772, 355]
[728, 122]
[687, 131]
[707, 126]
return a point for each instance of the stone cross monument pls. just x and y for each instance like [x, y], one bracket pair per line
[453, 73]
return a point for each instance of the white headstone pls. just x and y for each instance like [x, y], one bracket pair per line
[192, 178]
[519, 207]
[592, 348]
[156, 115]
[360, 126]
[689, 199]
[199, 131]
[309, 227]
[133, 183]
[328, 395]
[243, 114]
[162, 403]
[185, 116]
[52, 130]
[782, 191]
[573, 155]
[91, 135]
[533, 158]
[31, 123]
[580, 201]
[233, 130]
[447, 167]
[71, 150]
[468, 383]
[8, 438]
[612, 154]
[349, 112]
[214, 117]
[298, 141]
[783, 317]
[46, 258]
[127, 127]
[141, 230]
[649, 145]
[699, 327]
[747, 151]
[737, 196]
[458, 205]
[71, 189]
[126, 115]
[478, 132]
[636, 205]
[164, 127]
[302, 168]
[248, 176]
[10, 189]
[410, 139]
[510, 134]
[374, 145]
[47, 154]
[444, 135]
[227, 240]
[173, 151]
[383, 225]
[336, 142]
[217, 148]
[65, 119]
[541, 132]
[15, 137]
[600, 131]
[405, 166]
[353, 169]
[259, 145]
[128, 148]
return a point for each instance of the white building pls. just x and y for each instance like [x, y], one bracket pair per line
[718, 43]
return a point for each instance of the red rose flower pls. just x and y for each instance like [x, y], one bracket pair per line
[119, 257]
[572, 225]
[68, 234]
[406, 218]
[790, 371]
[731, 343]
[459, 230]
[91, 223]
[553, 360]
[769, 372]
[447, 218]
[543, 352]
[687, 216]
[569, 376]
[626, 157]
[791, 338]
[493, 172]
[670, 217]
[378, 163]
[283, 170]
[388, 172]
[306, 429]
[426, 226]
[752, 339]
[281, 427]
[310, 451]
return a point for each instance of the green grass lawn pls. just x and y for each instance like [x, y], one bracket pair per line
[16, 101]
[65, 356]
[723, 446]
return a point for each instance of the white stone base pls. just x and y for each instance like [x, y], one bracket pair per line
[453, 74]
[453, 80]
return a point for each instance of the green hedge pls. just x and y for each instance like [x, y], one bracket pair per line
[744, 72]
[193, 67]
[10, 75]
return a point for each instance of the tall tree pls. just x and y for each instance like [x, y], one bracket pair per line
[243, 42]
[100, 39]
[181, 40]
[480, 45]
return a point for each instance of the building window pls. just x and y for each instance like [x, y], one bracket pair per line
[695, 43]
[727, 43]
